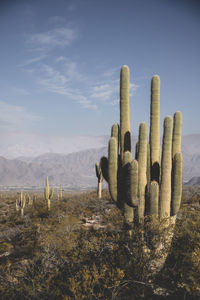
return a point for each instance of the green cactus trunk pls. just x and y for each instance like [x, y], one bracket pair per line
[128, 210]
[115, 134]
[136, 150]
[166, 168]
[100, 179]
[142, 167]
[99, 190]
[147, 206]
[113, 168]
[125, 138]
[177, 128]
[154, 198]
[133, 184]
[177, 183]
[155, 128]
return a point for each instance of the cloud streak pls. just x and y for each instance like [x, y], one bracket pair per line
[14, 117]
[64, 77]
[48, 40]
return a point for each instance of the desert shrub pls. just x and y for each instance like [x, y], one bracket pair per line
[182, 269]
[52, 255]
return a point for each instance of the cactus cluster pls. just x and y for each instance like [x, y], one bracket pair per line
[48, 194]
[151, 183]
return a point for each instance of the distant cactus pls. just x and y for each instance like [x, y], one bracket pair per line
[30, 200]
[20, 203]
[99, 175]
[60, 194]
[48, 195]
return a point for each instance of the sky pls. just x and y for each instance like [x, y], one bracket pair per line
[60, 63]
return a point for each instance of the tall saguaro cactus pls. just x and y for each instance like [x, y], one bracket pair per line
[150, 184]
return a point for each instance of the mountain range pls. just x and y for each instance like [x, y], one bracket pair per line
[76, 170]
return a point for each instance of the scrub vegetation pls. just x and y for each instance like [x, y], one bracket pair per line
[80, 250]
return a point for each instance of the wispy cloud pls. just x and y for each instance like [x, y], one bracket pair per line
[64, 82]
[16, 117]
[64, 77]
[104, 92]
[32, 61]
[57, 37]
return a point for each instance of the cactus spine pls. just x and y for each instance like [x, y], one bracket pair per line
[48, 195]
[154, 187]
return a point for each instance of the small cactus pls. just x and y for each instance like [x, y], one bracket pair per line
[30, 200]
[48, 195]
[100, 179]
[20, 203]
[60, 194]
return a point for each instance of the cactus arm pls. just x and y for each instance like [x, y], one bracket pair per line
[147, 206]
[155, 127]
[46, 189]
[136, 150]
[17, 205]
[134, 183]
[142, 167]
[104, 167]
[125, 140]
[128, 210]
[154, 198]
[115, 133]
[176, 183]
[51, 193]
[97, 171]
[166, 168]
[177, 128]
[112, 168]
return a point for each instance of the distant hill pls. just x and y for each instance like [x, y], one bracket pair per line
[76, 170]
[193, 181]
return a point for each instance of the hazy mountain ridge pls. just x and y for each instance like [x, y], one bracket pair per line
[16, 144]
[76, 170]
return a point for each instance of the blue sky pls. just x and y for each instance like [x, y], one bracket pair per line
[60, 63]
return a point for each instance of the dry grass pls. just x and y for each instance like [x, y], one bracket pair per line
[53, 255]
